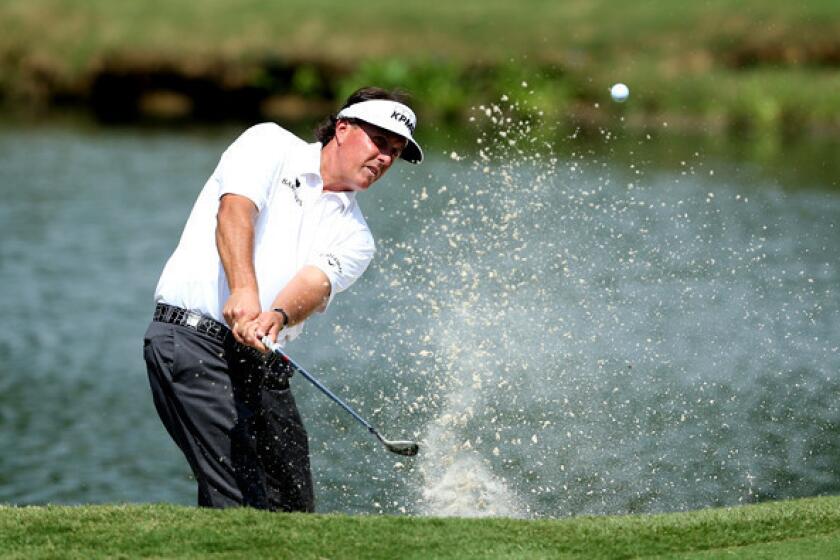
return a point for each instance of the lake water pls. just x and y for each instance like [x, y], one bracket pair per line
[568, 329]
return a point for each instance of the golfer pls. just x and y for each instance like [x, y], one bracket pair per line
[275, 234]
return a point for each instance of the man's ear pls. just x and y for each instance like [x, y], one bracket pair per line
[342, 128]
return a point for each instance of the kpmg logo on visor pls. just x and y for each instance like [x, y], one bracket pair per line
[404, 119]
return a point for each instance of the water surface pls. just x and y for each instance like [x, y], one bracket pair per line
[569, 328]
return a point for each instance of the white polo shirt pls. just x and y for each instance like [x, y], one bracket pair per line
[298, 224]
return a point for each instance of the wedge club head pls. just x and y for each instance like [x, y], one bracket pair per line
[402, 447]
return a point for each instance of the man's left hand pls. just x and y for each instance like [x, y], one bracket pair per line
[267, 323]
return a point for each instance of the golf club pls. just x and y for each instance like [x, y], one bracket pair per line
[407, 448]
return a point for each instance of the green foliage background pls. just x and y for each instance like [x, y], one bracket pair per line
[748, 66]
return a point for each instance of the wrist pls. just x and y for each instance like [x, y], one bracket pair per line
[283, 316]
[244, 290]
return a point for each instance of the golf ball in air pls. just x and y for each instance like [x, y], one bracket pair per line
[620, 92]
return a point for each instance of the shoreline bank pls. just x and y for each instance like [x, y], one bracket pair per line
[768, 68]
[137, 89]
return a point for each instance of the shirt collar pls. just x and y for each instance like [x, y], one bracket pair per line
[309, 163]
[310, 166]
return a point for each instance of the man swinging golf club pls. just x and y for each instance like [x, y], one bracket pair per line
[275, 233]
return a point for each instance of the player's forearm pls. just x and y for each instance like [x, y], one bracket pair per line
[307, 292]
[235, 241]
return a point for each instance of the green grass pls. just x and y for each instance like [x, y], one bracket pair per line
[490, 30]
[808, 528]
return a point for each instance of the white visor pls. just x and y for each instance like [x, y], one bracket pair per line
[390, 115]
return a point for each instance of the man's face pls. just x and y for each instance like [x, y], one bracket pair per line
[367, 152]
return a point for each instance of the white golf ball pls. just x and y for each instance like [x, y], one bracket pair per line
[620, 92]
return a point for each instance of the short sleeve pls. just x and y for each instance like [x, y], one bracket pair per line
[345, 262]
[249, 165]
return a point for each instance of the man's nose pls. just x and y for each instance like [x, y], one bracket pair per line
[385, 157]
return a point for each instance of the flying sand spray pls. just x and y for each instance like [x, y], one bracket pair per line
[407, 448]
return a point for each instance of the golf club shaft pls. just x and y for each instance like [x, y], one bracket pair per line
[276, 349]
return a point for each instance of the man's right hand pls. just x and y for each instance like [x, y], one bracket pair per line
[241, 307]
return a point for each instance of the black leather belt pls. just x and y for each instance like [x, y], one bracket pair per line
[165, 313]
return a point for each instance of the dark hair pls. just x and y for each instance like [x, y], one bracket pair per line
[325, 131]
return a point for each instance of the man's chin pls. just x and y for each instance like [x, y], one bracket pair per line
[362, 184]
[353, 186]
[356, 187]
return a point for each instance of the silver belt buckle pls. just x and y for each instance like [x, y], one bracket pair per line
[193, 318]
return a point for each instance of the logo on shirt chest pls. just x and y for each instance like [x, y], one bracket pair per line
[294, 185]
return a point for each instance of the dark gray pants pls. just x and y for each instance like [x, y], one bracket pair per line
[236, 422]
